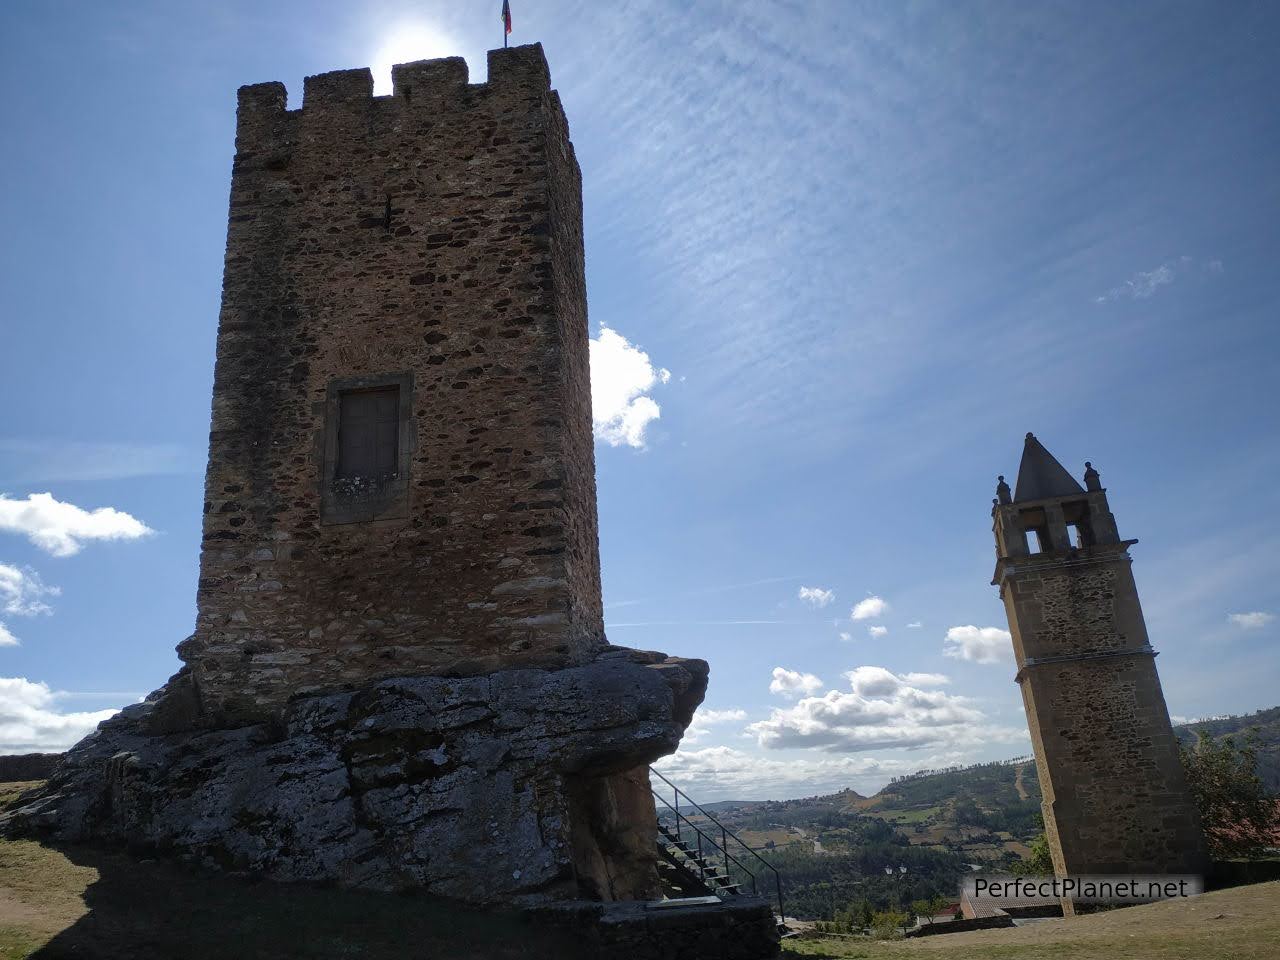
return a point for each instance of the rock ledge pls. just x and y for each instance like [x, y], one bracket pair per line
[521, 785]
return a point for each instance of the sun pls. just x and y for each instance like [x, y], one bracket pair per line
[407, 42]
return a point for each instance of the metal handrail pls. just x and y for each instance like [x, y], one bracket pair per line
[701, 834]
[723, 845]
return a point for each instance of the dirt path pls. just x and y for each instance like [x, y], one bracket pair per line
[1018, 784]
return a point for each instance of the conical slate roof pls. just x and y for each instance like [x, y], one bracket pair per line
[1040, 476]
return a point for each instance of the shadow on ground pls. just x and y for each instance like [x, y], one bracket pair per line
[71, 902]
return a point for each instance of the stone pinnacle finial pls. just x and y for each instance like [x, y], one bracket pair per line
[1003, 493]
[1091, 479]
[1030, 435]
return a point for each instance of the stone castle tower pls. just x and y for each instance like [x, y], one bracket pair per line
[1115, 799]
[401, 474]
[399, 677]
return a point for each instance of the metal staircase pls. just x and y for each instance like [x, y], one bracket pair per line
[700, 856]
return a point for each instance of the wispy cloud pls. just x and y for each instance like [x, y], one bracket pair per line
[710, 623]
[51, 461]
[1146, 283]
[877, 632]
[62, 529]
[730, 587]
[22, 592]
[1251, 621]
[816, 596]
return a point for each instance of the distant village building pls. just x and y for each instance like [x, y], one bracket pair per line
[1115, 797]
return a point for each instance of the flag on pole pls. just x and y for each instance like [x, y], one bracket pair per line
[506, 20]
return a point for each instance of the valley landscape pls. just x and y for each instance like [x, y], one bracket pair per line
[838, 850]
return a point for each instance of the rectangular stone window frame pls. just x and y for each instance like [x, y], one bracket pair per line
[339, 503]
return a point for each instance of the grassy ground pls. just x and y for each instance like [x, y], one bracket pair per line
[58, 904]
[1238, 924]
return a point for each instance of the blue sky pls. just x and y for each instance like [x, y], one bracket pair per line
[841, 257]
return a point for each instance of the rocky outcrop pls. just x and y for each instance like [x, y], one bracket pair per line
[509, 786]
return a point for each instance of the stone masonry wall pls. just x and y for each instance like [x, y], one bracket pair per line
[1115, 798]
[433, 239]
[1117, 790]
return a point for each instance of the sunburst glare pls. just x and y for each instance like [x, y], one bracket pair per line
[404, 43]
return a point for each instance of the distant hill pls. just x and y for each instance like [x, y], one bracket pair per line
[1264, 725]
[27, 766]
[987, 813]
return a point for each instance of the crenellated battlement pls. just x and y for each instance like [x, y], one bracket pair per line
[343, 97]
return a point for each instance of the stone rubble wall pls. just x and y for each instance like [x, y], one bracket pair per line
[435, 237]
[465, 787]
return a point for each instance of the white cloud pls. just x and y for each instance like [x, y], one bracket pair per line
[621, 378]
[21, 590]
[868, 609]
[877, 631]
[846, 637]
[704, 720]
[914, 625]
[881, 710]
[63, 528]
[926, 679]
[21, 594]
[1251, 621]
[793, 683]
[816, 596]
[979, 644]
[725, 773]
[29, 720]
